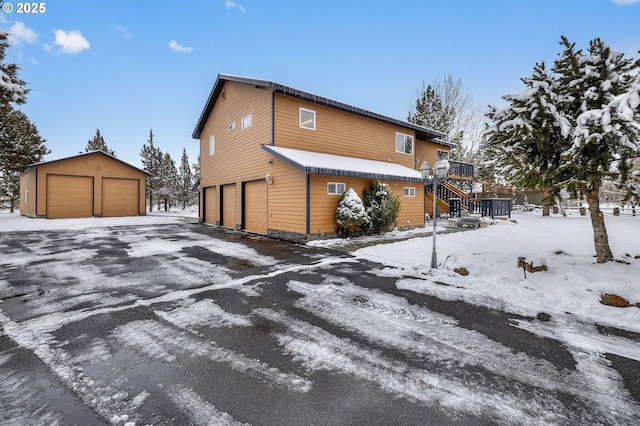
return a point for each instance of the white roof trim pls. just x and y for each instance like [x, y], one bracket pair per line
[338, 165]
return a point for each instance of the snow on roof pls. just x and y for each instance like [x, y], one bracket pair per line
[337, 165]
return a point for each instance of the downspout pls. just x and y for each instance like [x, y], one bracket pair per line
[308, 202]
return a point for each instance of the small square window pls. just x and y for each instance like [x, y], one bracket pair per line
[247, 121]
[404, 143]
[212, 145]
[307, 119]
[443, 155]
[409, 191]
[335, 188]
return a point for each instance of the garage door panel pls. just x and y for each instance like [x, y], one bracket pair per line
[120, 197]
[229, 206]
[255, 206]
[69, 196]
[210, 206]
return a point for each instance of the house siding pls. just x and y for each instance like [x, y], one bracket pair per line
[96, 165]
[338, 132]
[237, 156]
[323, 205]
[286, 198]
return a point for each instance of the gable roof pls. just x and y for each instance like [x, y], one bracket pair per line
[30, 166]
[421, 132]
[318, 163]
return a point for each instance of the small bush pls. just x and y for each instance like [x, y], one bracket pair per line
[383, 207]
[351, 214]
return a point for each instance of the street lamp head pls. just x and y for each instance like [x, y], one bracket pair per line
[441, 169]
[425, 168]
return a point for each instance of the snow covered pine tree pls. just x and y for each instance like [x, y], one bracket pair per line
[572, 129]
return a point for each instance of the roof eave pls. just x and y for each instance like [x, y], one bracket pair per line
[421, 132]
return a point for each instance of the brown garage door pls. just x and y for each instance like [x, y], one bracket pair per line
[120, 197]
[210, 205]
[229, 206]
[255, 206]
[69, 196]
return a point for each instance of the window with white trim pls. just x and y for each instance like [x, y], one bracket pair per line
[409, 191]
[26, 196]
[247, 120]
[212, 144]
[336, 188]
[443, 155]
[404, 143]
[307, 119]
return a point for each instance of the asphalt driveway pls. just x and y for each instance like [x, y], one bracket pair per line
[186, 324]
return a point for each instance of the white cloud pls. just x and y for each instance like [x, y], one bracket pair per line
[230, 4]
[123, 31]
[19, 34]
[625, 2]
[177, 48]
[71, 42]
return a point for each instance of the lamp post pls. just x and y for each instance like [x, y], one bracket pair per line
[440, 173]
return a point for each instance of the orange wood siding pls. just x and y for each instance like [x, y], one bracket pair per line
[238, 156]
[96, 165]
[287, 198]
[28, 193]
[428, 151]
[338, 132]
[323, 205]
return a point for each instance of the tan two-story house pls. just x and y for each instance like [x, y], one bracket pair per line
[275, 160]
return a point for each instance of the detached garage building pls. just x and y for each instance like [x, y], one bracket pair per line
[85, 185]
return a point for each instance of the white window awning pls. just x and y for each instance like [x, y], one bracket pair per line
[337, 165]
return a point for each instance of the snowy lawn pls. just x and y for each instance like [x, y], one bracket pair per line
[572, 285]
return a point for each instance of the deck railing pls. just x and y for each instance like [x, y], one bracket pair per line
[461, 169]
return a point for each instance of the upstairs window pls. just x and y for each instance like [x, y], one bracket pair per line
[443, 155]
[404, 143]
[307, 119]
[247, 121]
[335, 188]
[409, 191]
[212, 145]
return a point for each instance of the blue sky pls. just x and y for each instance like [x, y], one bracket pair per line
[129, 66]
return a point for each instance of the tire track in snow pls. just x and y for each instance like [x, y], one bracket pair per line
[317, 349]
[393, 322]
[158, 341]
[199, 411]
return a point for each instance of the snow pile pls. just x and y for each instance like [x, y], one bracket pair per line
[573, 283]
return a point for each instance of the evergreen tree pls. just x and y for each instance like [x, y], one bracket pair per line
[351, 214]
[168, 178]
[20, 143]
[98, 144]
[447, 107]
[20, 146]
[528, 152]
[577, 128]
[382, 207]
[12, 89]
[151, 163]
[186, 181]
[430, 110]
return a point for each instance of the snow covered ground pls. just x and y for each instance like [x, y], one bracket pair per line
[572, 285]
[192, 308]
